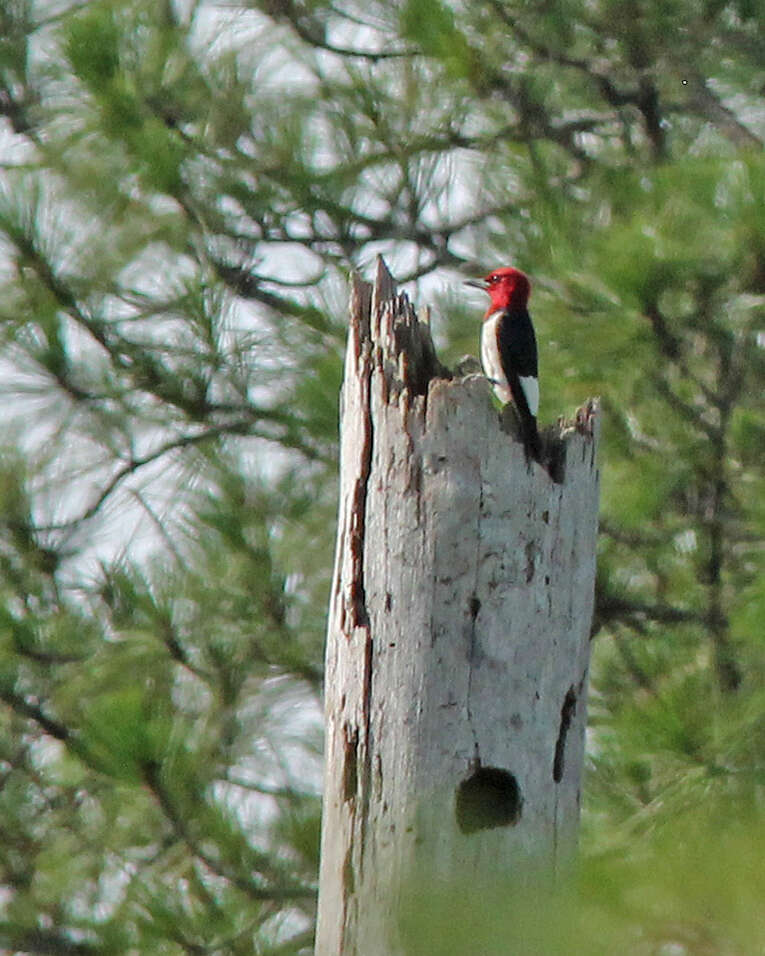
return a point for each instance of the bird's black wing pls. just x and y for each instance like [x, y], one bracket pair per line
[518, 343]
[517, 346]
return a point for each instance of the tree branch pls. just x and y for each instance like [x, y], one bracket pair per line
[609, 607]
[705, 103]
[252, 888]
[44, 942]
[35, 713]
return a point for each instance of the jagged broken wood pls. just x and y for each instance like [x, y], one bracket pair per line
[458, 639]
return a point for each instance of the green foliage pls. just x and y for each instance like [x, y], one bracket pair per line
[431, 25]
[694, 887]
[92, 45]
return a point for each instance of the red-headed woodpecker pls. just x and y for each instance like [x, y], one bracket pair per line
[509, 349]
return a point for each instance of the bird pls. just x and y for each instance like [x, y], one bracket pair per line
[509, 349]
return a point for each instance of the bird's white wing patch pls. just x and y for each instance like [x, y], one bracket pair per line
[530, 386]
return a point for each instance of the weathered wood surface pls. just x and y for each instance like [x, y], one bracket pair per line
[458, 640]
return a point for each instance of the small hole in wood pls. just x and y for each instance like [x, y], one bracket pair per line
[490, 797]
[531, 550]
[475, 607]
[554, 452]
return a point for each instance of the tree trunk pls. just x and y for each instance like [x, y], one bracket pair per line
[458, 642]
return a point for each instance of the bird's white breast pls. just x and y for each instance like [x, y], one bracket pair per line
[492, 366]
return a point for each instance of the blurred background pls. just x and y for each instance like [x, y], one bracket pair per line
[185, 188]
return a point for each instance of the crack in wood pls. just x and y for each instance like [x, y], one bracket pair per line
[358, 517]
[531, 553]
[474, 610]
[350, 762]
[360, 617]
[567, 712]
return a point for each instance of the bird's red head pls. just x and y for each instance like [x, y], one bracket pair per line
[508, 288]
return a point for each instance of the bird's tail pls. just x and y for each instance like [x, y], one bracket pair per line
[532, 445]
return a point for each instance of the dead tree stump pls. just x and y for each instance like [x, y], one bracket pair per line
[458, 641]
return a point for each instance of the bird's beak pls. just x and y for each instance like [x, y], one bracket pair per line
[476, 284]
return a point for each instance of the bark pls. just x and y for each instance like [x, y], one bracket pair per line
[457, 649]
